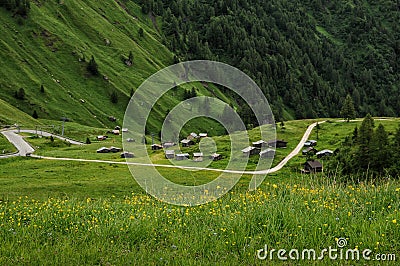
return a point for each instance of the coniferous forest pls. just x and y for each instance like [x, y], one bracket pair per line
[368, 152]
[305, 55]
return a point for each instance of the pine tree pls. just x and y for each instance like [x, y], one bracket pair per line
[355, 135]
[193, 92]
[88, 141]
[380, 151]
[363, 154]
[42, 88]
[20, 94]
[396, 153]
[130, 58]
[141, 32]
[348, 112]
[396, 145]
[93, 67]
[114, 97]
[366, 130]
[35, 115]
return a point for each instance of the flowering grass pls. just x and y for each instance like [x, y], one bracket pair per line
[137, 229]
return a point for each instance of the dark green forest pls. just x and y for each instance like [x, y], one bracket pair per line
[369, 152]
[305, 55]
[17, 7]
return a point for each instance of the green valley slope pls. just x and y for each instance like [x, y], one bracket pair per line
[54, 44]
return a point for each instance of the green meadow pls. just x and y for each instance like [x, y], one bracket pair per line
[6, 146]
[60, 212]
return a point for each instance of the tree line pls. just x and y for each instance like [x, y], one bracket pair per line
[17, 7]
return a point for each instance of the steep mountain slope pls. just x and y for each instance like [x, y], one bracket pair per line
[305, 55]
[52, 46]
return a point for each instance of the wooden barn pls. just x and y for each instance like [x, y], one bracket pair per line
[260, 144]
[268, 153]
[167, 145]
[127, 155]
[310, 143]
[309, 151]
[192, 136]
[203, 135]
[324, 153]
[250, 151]
[215, 157]
[115, 149]
[187, 142]
[182, 156]
[103, 150]
[100, 138]
[156, 147]
[198, 157]
[169, 154]
[277, 143]
[313, 167]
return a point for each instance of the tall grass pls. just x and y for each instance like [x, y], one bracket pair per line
[137, 229]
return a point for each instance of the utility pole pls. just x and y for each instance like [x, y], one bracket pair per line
[62, 130]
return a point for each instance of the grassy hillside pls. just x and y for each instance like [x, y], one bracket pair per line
[52, 47]
[10, 115]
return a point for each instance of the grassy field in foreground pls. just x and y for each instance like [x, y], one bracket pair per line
[139, 230]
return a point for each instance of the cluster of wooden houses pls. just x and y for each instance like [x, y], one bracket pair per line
[197, 156]
[309, 149]
[312, 165]
[115, 150]
[108, 150]
[269, 152]
[116, 131]
[189, 141]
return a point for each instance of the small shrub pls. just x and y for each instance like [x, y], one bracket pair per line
[114, 97]
[93, 67]
[20, 94]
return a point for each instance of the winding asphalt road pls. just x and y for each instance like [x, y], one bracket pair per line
[24, 148]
